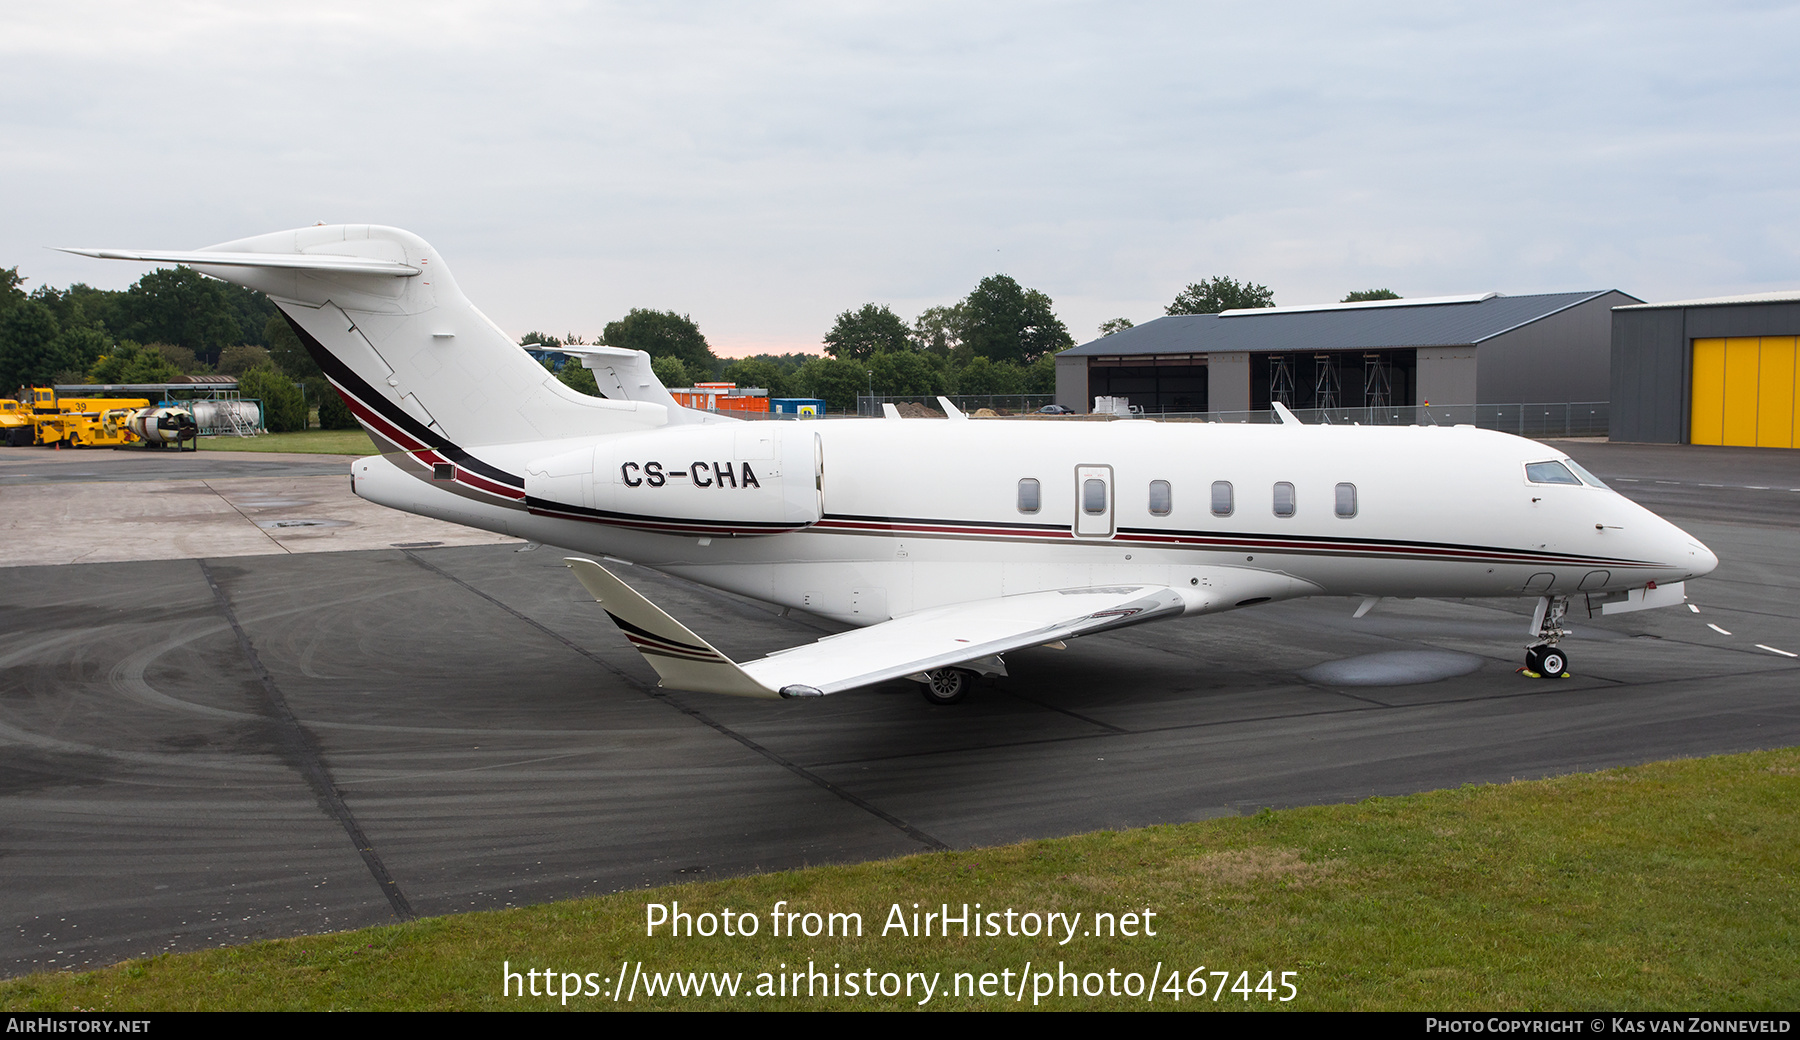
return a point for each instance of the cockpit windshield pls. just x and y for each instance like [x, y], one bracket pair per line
[1549, 473]
[1586, 477]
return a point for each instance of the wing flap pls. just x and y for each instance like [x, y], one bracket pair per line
[937, 638]
[963, 632]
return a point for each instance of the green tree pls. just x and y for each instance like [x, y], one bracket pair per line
[671, 372]
[982, 376]
[1368, 295]
[243, 357]
[28, 332]
[663, 334]
[182, 358]
[1003, 321]
[862, 334]
[127, 362]
[1108, 328]
[284, 409]
[334, 414]
[12, 292]
[907, 373]
[938, 330]
[286, 350]
[1220, 294]
[75, 349]
[576, 376]
[837, 382]
[758, 372]
[183, 307]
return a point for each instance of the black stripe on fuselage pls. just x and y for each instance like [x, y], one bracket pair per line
[544, 505]
[1228, 541]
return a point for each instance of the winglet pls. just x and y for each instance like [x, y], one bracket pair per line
[1282, 415]
[950, 409]
[681, 658]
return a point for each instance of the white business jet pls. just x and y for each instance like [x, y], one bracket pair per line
[947, 544]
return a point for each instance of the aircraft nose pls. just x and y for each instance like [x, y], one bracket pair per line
[1705, 561]
[1688, 553]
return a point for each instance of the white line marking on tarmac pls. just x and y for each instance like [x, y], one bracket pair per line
[1773, 650]
[1693, 608]
[1717, 629]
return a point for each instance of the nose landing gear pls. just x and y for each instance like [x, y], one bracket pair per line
[1544, 659]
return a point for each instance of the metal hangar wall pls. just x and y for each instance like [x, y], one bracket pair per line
[1470, 349]
[1710, 371]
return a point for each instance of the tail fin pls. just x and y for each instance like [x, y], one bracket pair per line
[418, 364]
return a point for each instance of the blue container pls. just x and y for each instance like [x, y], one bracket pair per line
[801, 407]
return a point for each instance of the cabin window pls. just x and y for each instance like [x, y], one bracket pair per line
[1030, 499]
[1549, 473]
[1346, 500]
[1284, 499]
[1159, 498]
[1221, 498]
[1093, 497]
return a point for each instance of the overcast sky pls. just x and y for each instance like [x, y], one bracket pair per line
[764, 166]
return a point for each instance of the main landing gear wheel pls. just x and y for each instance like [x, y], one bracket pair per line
[946, 685]
[1547, 661]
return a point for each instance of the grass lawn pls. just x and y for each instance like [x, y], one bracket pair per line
[1674, 885]
[312, 442]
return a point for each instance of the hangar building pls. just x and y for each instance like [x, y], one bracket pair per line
[1451, 350]
[1710, 371]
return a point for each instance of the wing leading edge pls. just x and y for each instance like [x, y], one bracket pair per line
[930, 639]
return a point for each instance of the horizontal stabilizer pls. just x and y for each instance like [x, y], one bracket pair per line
[941, 637]
[330, 263]
[626, 375]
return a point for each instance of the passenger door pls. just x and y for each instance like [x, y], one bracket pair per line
[1093, 502]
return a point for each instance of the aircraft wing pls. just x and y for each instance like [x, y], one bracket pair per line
[930, 639]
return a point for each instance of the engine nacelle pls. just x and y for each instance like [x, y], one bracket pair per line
[726, 479]
[163, 425]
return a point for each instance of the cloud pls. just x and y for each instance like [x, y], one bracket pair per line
[763, 167]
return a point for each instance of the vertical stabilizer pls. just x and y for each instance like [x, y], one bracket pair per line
[418, 364]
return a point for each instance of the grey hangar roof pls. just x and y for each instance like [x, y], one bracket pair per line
[1332, 328]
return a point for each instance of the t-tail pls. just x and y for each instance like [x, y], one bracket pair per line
[418, 364]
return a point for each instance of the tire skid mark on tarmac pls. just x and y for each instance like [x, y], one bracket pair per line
[657, 694]
[302, 749]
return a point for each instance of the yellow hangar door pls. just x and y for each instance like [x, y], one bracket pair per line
[1744, 392]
